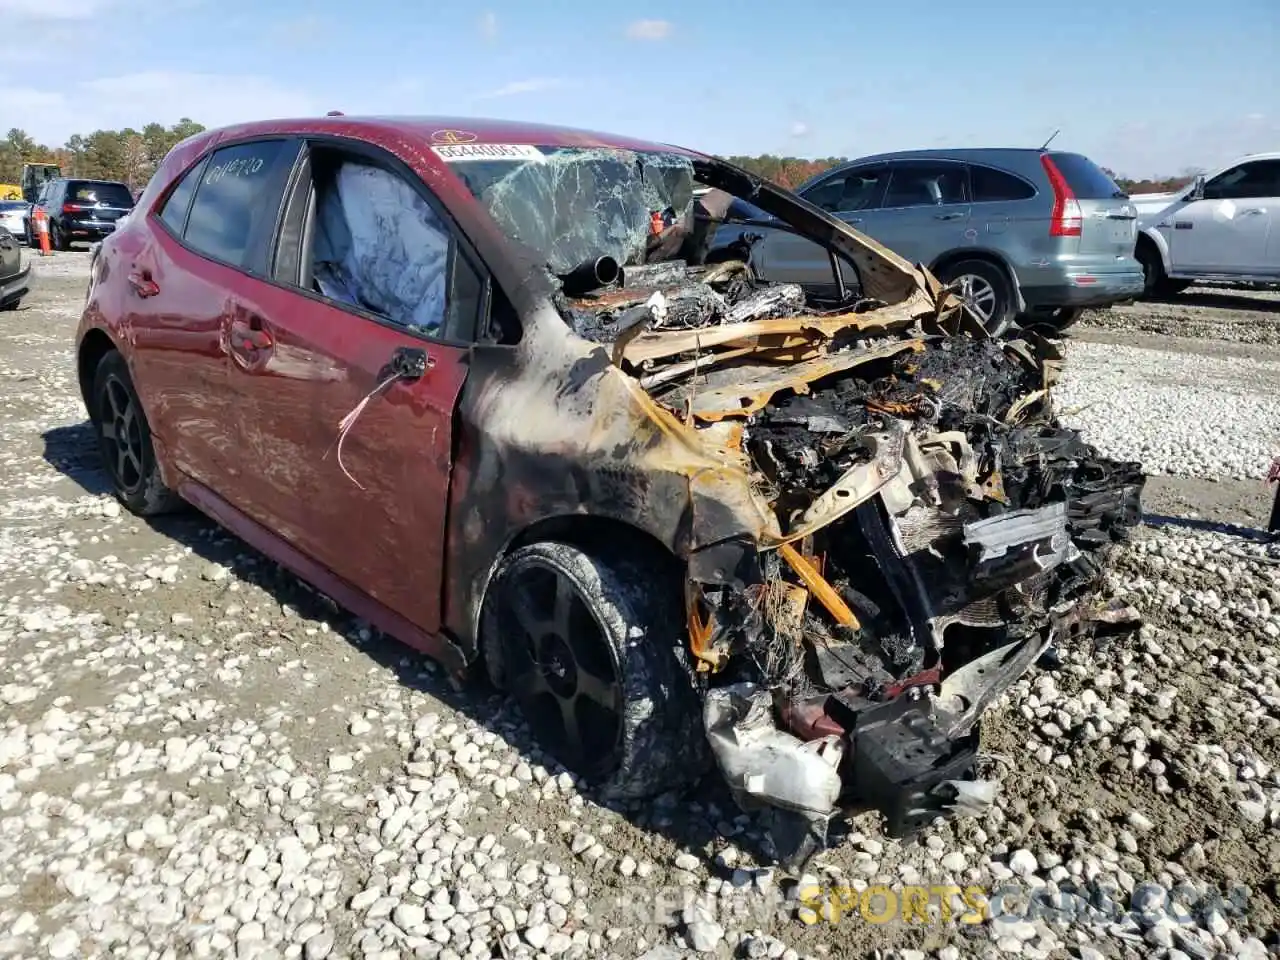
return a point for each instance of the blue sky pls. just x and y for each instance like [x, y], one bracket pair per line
[1144, 87]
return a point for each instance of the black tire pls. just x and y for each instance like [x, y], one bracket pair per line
[997, 314]
[1155, 282]
[124, 441]
[554, 614]
[57, 239]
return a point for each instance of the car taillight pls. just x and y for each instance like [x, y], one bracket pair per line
[73, 207]
[1066, 219]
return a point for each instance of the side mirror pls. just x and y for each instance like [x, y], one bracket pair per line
[1197, 188]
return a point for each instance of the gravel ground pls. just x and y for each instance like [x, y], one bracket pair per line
[1206, 312]
[201, 757]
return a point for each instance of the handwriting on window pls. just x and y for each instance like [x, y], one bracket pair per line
[240, 167]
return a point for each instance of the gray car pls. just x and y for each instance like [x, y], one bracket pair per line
[1026, 234]
[15, 277]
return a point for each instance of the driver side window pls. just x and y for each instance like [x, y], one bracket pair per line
[1257, 179]
[378, 245]
[358, 234]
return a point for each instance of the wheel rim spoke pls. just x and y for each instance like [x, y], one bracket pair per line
[572, 731]
[597, 689]
[113, 399]
[978, 295]
[558, 665]
[122, 463]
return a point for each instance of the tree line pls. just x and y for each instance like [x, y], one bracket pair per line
[790, 172]
[127, 155]
[131, 156]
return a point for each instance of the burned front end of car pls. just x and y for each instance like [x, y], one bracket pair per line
[931, 530]
[938, 531]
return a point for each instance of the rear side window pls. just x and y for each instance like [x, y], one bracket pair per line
[1087, 180]
[111, 194]
[990, 186]
[922, 183]
[174, 214]
[236, 186]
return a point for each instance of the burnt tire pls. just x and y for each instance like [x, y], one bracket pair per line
[593, 651]
[987, 289]
[124, 440]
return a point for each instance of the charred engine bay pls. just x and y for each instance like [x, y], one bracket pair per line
[888, 577]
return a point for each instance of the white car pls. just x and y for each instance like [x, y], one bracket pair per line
[13, 215]
[1225, 226]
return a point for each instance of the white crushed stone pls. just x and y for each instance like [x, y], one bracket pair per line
[1183, 414]
[199, 759]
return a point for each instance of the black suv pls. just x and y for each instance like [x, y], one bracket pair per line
[80, 209]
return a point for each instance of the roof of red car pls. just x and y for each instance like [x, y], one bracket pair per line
[448, 130]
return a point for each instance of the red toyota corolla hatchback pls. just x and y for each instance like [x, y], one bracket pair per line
[494, 388]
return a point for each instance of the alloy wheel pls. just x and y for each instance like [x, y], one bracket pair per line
[120, 433]
[978, 295]
[559, 666]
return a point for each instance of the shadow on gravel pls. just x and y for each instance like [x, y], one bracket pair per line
[1210, 526]
[1225, 300]
[692, 820]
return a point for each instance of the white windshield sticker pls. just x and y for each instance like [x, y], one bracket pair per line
[455, 152]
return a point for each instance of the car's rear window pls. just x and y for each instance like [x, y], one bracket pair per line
[1087, 180]
[112, 194]
[7, 205]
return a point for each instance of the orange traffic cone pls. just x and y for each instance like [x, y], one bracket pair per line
[42, 228]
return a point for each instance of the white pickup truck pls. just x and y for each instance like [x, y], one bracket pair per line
[1225, 226]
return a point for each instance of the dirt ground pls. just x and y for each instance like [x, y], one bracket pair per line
[200, 757]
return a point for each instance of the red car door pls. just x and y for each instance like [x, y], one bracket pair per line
[370, 506]
[170, 302]
[173, 269]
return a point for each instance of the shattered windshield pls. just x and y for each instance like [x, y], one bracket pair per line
[575, 204]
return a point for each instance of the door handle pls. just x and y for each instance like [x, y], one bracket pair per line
[143, 285]
[947, 216]
[1253, 211]
[411, 363]
[250, 337]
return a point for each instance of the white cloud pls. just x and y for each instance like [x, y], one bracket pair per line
[489, 25]
[649, 29]
[800, 129]
[532, 85]
[132, 100]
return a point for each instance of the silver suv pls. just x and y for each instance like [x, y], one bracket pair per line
[1026, 234]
